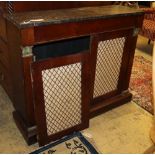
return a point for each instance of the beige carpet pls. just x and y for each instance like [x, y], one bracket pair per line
[124, 129]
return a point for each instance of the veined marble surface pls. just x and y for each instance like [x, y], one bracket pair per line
[38, 18]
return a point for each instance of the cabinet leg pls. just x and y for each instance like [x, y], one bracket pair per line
[28, 132]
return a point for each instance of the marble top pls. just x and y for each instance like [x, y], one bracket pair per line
[40, 18]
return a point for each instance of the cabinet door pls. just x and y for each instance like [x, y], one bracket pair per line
[61, 95]
[112, 55]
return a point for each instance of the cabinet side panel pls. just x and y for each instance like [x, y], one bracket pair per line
[15, 55]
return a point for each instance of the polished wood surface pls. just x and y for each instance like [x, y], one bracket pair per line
[3, 32]
[4, 54]
[42, 33]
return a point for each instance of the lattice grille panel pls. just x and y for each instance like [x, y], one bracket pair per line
[10, 7]
[62, 95]
[109, 58]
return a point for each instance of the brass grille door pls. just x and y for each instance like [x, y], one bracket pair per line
[110, 58]
[61, 96]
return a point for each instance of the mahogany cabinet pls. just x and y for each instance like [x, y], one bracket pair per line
[65, 62]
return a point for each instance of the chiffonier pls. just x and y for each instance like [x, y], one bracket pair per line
[66, 66]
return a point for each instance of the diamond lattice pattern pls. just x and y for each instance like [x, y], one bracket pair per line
[62, 96]
[109, 58]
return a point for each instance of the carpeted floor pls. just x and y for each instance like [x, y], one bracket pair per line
[75, 143]
[141, 83]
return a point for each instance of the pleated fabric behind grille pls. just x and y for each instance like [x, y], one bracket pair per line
[109, 58]
[62, 96]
